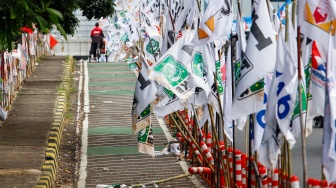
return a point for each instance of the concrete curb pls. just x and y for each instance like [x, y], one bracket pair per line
[50, 165]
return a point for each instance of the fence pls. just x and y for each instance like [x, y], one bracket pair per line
[18, 64]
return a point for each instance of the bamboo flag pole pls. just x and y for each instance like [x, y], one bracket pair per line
[302, 121]
[191, 137]
[183, 135]
[225, 168]
[161, 181]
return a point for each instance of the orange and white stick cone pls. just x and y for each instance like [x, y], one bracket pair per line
[238, 164]
[275, 179]
[316, 183]
[294, 182]
[263, 176]
[310, 182]
[199, 170]
[324, 184]
[207, 153]
[209, 142]
[243, 159]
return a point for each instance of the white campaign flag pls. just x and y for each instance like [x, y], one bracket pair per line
[318, 77]
[227, 101]
[216, 22]
[332, 8]
[144, 94]
[181, 19]
[329, 132]
[286, 77]
[253, 95]
[260, 55]
[146, 140]
[196, 71]
[168, 103]
[316, 19]
[171, 69]
[152, 43]
[259, 121]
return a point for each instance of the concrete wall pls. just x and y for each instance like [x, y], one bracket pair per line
[74, 47]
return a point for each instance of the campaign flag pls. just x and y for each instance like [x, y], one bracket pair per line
[168, 103]
[144, 94]
[180, 21]
[216, 23]
[197, 72]
[332, 8]
[146, 140]
[171, 69]
[318, 77]
[286, 77]
[316, 19]
[258, 60]
[253, 95]
[53, 42]
[329, 128]
[226, 75]
[259, 121]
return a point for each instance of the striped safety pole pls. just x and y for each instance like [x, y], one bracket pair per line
[324, 184]
[275, 178]
[263, 176]
[294, 182]
[199, 155]
[316, 183]
[199, 170]
[207, 153]
[243, 159]
[209, 142]
[238, 165]
[310, 182]
[269, 178]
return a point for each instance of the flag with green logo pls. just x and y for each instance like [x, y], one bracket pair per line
[171, 69]
[168, 103]
[153, 40]
[146, 140]
[144, 94]
[197, 77]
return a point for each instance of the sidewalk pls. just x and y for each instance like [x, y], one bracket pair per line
[24, 134]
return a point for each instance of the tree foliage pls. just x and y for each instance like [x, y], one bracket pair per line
[46, 14]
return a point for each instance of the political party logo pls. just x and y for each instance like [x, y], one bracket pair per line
[174, 71]
[144, 114]
[198, 65]
[145, 136]
[318, 71]
[254, 89]
[318, 63]
[169, 93]
[152, 47]
[219, 78]
[318, 16]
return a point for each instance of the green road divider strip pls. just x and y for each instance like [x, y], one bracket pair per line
[118, 130]
[119, 64]
[130, 75]
[117, 150]
[118, 92]
[111, 83]
[112, 69]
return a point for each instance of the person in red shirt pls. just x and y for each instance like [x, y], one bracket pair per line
[97, 36]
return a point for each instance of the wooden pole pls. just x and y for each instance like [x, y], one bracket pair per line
[225, 172]
[161, 181]
[182, 133]
[191, 137]
[302, 121]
